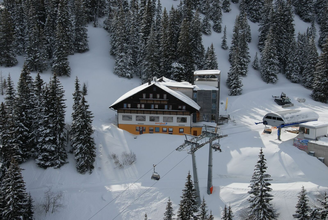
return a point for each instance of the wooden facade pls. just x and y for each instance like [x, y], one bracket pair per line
[155, 110]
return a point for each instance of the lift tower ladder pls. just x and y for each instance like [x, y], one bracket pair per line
[209, 134]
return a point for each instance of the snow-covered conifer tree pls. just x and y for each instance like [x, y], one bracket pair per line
[224, 45]
[15, 198]
[51, 148]
[320, 82]
[210, 59]
[260, 198]
[25, 114]
[256, 62]
[83, 144]
[226, 6]
[188, 204]
[168, 214]
[203, 212]
[81, 36]
[303, 209]
[269, 61]
[7, 40]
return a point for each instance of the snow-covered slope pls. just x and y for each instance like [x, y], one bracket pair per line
[114, 193]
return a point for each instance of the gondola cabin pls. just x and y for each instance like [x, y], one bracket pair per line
[289, 117]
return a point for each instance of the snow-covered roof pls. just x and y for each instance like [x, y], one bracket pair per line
[204, 87]
[176, 94]
[172, 83]
[315, 124]
[206, 72]
[296, 115]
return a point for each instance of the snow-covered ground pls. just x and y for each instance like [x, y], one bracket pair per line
[114, 193]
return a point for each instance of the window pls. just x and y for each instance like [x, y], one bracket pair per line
[156, 129]
[167, 119]
[195, 95]
[170, 130]
[142, 105]
[140, 118]
[213, 94]
[138, 106]
[164, 129]
[213, 106]
[137, 128]
[179, 107]
[151, 95]
[156, 106]
[170, 107]
[144, 95]
[164, 96]
[127, 117]
[306, 131]
[154, 88]
[152, 106]
[158, 96]
[151, 130]
[125, 105]
[181, 130]
[154, 118]
[183, 107]
[165, 106]
[181, 119]
[129, 105]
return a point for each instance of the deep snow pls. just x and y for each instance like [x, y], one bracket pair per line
[114, 193]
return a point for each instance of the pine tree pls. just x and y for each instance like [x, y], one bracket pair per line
[7, 40]
[51, 148]
[25, 114]
[15, 197]
[320, 83]
[188, 204]
[302, 207]
[224, 45]
[260, 197]
[19, 16]
[82, 141]
[184, 52]
[77, 96]
[253, 9]
[216, 16]
[265, 23]
[210, 59]
[256, 63]
[81, 36]
[292, 71]
[226, 6]
[29, 208]
[269, 61]
[324, 206]
[304, 8]
[152, 58]
[230, 213]
[234, 82]
[168, 214]
[311, 61]
[203, 212]
[206, 26]
[84, 89]
[197, 46]
[224, 215]
[284, 31]
[323, 29]
[36, 59]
